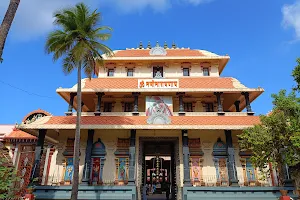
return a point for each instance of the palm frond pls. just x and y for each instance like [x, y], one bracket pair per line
[78, 39]
[68, 64]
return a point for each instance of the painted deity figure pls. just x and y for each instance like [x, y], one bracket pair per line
[69, 169]
[158, 107]
[95, 172]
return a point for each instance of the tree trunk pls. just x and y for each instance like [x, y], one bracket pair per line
[75, 181]
[280, 175]
[6, 23]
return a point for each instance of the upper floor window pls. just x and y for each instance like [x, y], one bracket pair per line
[186, 71]
[110, 72]
[129, 72]
[209, 107]
[107, 107]
[188, 107]
[205, 71]
[128, 107]
[158, 72]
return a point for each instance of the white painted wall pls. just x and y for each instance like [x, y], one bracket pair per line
[171, 71]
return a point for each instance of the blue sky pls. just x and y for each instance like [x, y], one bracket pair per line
[261, 38]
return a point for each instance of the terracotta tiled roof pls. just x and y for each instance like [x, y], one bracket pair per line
[142, 120]
[18, 134]
[145, 53]
[128, 83]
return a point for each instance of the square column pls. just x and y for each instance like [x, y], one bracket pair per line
[248, 106]
[131, 179]
[88, 158]
[98, 107]
[38, 154]
[70, 108]
[186, 159]
[181, 105]
[220, 106]
[136, 103]
[237, 106]
[232, 173]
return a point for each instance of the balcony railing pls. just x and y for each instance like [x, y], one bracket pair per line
[174, 113]
[208, 180]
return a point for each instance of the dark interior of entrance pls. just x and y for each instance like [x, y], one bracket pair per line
[159, 175]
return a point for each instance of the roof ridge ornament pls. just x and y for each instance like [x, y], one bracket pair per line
[149, 45]
[157, 44]
[174, 45]
[165, 45]
[158, 51]
[141, 45]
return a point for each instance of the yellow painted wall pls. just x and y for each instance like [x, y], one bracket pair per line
[109, 138]
[56, 167]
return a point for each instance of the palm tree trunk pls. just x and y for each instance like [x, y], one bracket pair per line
[75, 182]
[6, 23]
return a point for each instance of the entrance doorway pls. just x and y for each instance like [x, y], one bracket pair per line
[159, 170]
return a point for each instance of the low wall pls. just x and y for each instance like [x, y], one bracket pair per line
[86, 192]
[234, 193]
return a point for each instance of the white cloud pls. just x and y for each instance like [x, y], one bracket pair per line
[127, 6]
[291, 17]
[34, 17]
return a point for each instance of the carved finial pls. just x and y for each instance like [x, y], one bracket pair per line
[141, 45]
[157, 44]
[174, 45]
[165, 45]
[149, 45]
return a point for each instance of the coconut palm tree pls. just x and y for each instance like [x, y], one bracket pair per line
[78, 43]
[6, 23]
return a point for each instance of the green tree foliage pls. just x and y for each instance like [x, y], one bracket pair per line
[296, 75]
[276, 139]
[7, 176]
[78, 43]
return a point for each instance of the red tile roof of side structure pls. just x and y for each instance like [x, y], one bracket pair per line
[142, 120]
[145, 53]
[127, 83]
[18, 134]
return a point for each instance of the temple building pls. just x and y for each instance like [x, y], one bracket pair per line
[155, 119]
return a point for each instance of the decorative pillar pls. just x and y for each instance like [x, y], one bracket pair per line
[98, 107]
[38, 153]
[181, 106]
[88, 158]
[15, 156]
[232, 173]
[220, 106]
[45, 166]
[248, 106]
[82, 104]
[136, 103]
[131, 180]
[237, 106]
[72, 95]
[186, 159]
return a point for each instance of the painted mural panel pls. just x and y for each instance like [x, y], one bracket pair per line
[159, 105]
[196, 175]
[122, 174]
[250, 170]
[96, 170]
[69, 170]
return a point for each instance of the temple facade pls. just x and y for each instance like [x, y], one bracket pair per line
[156, 120]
